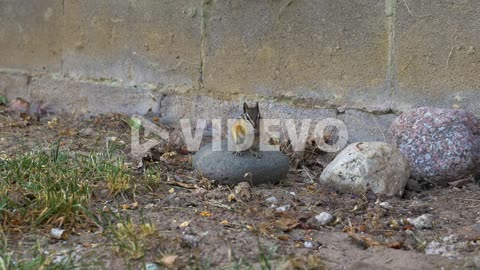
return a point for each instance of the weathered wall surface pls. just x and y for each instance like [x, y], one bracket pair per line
[358, 60]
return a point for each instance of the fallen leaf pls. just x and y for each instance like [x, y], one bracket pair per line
[363, 241]
[169, 261]
[205, 214]
[184, 224]
[168, 155]
[286, 224]
[53, 123]
[129, 206]
[19, 105]
[68, 132]
[224, 222]
[184, 151]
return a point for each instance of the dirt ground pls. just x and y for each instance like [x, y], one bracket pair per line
[171, 217]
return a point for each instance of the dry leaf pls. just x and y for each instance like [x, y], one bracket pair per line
[68, 132]
[169, 261]
[184, 224]
[224, 222]
[129, 206]
[168, 155]
[286, 224]
[19, 105]
[205, 214]
[53, 123]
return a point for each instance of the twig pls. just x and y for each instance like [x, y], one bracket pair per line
[460, 182]
[221, 205]
[180, 184]
[449, 56]
[307, 173]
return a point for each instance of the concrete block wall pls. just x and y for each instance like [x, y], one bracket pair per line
[362, 60]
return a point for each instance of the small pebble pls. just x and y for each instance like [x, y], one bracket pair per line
[422, 222]
[308, 244]
[320, 220]
[191, 240]
[272, 199]
[324, 218]
[282, 208]
[151, 266]
[386, 205]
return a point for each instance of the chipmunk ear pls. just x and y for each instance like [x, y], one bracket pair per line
[256, 105]
[245, 106]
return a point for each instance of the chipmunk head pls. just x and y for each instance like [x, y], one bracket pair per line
[252, 114]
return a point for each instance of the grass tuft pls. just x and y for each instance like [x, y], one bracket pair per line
[53, 186]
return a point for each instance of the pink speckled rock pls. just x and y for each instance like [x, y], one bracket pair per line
[441, 145]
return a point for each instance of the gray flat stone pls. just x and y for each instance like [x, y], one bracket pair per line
[229, 169]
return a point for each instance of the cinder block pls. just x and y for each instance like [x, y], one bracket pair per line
[151, 43]
[31, 35]
[438, 53]
[14, 85]
[321, 49]
[364, 126]
[89, 98]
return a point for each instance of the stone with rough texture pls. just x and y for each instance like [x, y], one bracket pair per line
[320, 220]
[377, 165]
[441, 145]
[422, 222]
[229, 169]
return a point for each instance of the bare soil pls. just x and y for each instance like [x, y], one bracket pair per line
[199, 226]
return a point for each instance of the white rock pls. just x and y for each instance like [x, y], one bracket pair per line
[386, 205]
[272, 199]
[308, 244]
[451, 250]
[282, 208]
[376, 164]
[320, 220]
[422, 222]
[324, 218]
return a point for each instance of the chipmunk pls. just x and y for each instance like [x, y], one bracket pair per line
[249, 121]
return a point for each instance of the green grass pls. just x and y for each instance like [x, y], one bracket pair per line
[130, 239]
[53, 186]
